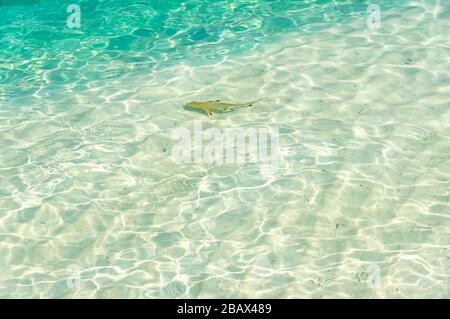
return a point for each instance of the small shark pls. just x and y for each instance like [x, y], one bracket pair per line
[217, 105]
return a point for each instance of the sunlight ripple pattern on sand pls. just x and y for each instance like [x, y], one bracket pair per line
[87, 181]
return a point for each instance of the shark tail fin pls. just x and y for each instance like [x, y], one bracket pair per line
[251, 103]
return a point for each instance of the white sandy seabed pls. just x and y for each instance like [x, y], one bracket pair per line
[362, 192]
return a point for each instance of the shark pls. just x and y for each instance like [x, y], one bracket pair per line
[209, 106]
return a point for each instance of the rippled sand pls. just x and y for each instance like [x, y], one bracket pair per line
[363, 189]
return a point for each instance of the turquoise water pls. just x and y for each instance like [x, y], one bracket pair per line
[139, 36]
[93, 205]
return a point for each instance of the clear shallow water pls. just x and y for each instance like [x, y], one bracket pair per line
[89, 189]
